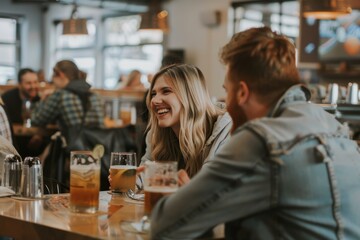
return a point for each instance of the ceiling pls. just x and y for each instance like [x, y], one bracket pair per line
[116, 5]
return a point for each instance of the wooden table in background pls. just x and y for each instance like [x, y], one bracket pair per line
[21, 130]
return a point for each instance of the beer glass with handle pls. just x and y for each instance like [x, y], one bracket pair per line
[123, 172]
[160, 179]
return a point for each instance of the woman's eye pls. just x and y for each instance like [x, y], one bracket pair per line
[166, 91]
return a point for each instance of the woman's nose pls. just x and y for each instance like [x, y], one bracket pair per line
[156, 99]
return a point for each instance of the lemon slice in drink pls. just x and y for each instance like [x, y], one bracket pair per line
[98, 151]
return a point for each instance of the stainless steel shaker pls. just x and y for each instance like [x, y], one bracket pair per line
[32, 178]
[352, 96]
[11, 175]
[333, 93]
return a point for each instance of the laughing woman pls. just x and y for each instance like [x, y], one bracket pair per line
[184, 124]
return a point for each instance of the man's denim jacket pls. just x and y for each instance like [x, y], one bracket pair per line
[294, 174]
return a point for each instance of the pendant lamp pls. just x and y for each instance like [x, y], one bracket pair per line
[75, 25]
[325, 9]
[155, 18]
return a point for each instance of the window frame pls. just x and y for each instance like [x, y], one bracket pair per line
[16, 44]
[238, 4]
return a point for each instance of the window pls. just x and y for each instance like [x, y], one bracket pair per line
[9, 49]
[80, 49]
[123, 48]
[280, 16]
[127, 49]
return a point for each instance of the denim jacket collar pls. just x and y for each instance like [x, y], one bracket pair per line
[295, 93]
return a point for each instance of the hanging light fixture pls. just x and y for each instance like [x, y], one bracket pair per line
[75, 25]
[154, 18]
[325, 9]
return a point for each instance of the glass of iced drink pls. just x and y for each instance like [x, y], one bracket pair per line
[123, 172]
[84, 181]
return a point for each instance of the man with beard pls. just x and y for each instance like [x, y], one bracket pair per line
[289, 170]
[28, 89]
[15, 100]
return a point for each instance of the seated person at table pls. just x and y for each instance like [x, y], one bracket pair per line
[134, 81]
[14, 100]
[289, 170]
[28, 89]
[5, 129]
[65, 104]
[184, 124]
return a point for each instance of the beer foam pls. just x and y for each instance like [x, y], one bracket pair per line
[84, 168]
[122, 167]
[158, 189]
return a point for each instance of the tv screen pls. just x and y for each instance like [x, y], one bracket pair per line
[339, 40]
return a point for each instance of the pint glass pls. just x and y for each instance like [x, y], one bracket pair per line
[84, 182]
[160, 179]
[123, 171]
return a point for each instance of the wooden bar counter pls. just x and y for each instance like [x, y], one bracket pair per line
[50, 218]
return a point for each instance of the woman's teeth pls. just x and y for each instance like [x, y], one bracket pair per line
[162, 111]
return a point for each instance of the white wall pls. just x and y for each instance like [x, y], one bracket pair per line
[31, 48]
[201, 43]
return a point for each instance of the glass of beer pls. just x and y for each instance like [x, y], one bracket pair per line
[84, 182]
[161, 179]
[123, 172]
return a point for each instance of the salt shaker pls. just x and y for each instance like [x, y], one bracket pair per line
[32, 178]
[11, 175]
[353, 93]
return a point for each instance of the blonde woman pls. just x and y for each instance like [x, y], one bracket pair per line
[184, 125]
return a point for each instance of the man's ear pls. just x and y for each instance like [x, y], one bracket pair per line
[242, 94]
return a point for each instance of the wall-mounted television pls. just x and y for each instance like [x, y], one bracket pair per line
[339, 39]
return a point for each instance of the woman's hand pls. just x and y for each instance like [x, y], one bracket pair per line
[138, 170]
[183, 177]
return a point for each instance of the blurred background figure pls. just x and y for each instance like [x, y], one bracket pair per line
[121, 82]
[27, 90]
[170, 59]
[41, 77]
[82, 75]
[19, 102]
[70, 101]
[134, 81]
[5, 129]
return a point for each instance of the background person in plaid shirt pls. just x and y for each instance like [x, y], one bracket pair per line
[65, 105]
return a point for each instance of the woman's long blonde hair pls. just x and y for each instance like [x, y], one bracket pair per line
[197, 117]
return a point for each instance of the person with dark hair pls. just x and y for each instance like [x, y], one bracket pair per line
[15, 103]
[289, 170]
[170, 59]
[70, 101]
[28, 89]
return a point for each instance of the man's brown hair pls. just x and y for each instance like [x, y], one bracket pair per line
[264, 60]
